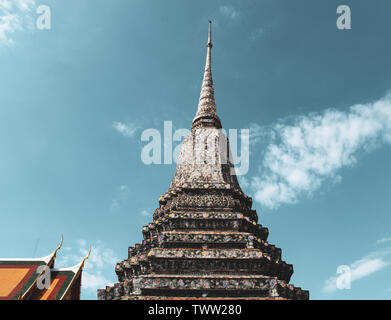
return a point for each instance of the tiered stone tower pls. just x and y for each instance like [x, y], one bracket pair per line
[204, 241]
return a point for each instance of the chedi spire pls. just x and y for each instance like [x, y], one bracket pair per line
[206, 113]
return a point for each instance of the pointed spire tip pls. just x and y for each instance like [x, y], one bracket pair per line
[210, 34]
[206, 114]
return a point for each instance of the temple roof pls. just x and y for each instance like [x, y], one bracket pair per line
[19, 277]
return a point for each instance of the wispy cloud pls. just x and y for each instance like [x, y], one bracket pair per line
[244, 183]
[98, 268]
[14, 16]
[383, 240]
[303, 152]
[230, 12]
[145, 213]
[361, 268]
[120, 197]
[127, 130]
[258, 133]
[256, 34]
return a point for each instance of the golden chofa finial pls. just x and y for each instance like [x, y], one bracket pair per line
[59, 246]
[210, 35]
[84, 260]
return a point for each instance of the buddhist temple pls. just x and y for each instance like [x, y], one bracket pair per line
[205, 241]
[37, 279]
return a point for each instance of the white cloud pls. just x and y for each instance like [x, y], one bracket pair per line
[14, 16]
[383, 240]
[94, 281]
[257, 133]
[305, 151]
[121, 197]
[230, 12]
[100, 263]
[145, 213]
[127, 130]
[100, 257]
[256, 34]
[243, 181]
[361, 268]
[82, 243]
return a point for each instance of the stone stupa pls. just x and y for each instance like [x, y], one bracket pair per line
[205, 241]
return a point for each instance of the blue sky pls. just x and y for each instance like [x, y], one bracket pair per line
[76, 98]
